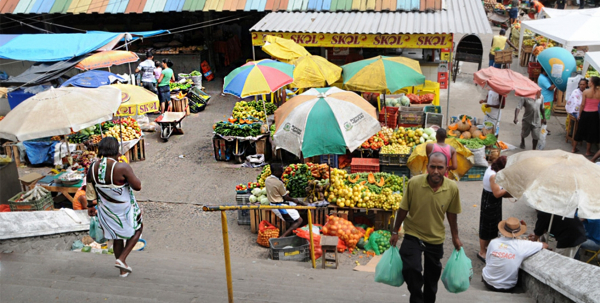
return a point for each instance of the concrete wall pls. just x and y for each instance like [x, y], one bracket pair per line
[27, 224]
[552, 278]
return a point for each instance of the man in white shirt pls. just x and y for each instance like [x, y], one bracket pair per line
[147, 69]
[494, 102]
[505, 255]
[278, 196]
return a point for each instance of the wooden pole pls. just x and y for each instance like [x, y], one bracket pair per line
[227, 257]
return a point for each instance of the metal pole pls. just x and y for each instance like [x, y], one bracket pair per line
[312, 245]
[226, 253]
[253, 54]
[448, 100]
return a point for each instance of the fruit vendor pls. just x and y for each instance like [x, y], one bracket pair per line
[427, 198]
[494, 103]
[505, 255]
[278, 196]
[442, 147]
[536, 9]
[534, 109]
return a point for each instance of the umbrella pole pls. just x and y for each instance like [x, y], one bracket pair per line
[448, 96]
[550, 226]
[69, 158]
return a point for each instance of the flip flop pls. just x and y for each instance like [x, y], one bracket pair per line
[119, 264]
[124, 275]
[480, 258]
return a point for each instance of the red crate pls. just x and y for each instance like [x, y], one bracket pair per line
[364, 165]
[389, 116]
[534, 70]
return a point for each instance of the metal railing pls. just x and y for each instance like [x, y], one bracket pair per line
[224, 208]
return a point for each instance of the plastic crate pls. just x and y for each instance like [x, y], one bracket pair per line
[197, 95]
[220, 149]
[411, 115]
[364, 165]
[300, 250]
[331, 160]
[389, 116]
[243, 215]
[474, 174]
[534, 70]
[395, 170]
[45, 203]
[432, 109]
[434, 119]
[393, 159]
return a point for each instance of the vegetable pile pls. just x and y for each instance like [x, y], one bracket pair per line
[259, 195]
[258, 106]
[266, 171]
[36, 194]
[226, 128]
[316, 190]
[379, 241]
[243, 110]
[344, 230]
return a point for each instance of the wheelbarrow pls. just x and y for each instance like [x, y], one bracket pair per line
[170, 123]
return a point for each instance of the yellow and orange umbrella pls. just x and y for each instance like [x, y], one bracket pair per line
[107, 59]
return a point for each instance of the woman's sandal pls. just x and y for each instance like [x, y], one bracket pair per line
[480, 258]
[119, 264]
[124, 275]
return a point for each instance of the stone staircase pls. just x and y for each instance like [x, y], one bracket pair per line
[180, 277]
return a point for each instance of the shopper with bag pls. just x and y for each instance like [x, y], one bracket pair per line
[505, 255]
[111, 183]
[427, 199]
[278, 196]
[533, 118]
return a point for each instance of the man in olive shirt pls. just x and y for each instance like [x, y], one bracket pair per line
[426, 200]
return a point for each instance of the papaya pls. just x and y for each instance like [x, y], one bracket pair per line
[381, 182]
[482, 137]
[353, 180]
[453, 126]
[363, 183]
[371, 178]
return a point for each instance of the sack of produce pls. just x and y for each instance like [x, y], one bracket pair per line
[266, 231]
[479, 156]
[458, 272]
[389, 269]
[302, 233]
[96, 231]
[379, 241]
[344, 230]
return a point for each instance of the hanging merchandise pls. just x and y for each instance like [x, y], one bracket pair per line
[206, 71]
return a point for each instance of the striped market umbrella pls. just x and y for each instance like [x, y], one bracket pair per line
[382, 74]
[258, 78]
[324, 121]
[107, 59]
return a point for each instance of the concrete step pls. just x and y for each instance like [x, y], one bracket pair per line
[168, 277]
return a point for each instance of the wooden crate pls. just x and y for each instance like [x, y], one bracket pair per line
[503, 57]
[258, 215]
[181, 105]
[383, 218]
[137, 152]
[525, 57]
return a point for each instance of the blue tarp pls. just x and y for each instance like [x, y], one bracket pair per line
[40, 152]
[58, 47]
[51, 47]
[92, 79]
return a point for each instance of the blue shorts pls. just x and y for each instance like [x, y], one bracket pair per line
[513, 13]
[164, 94]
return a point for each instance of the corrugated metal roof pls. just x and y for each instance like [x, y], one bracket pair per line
[460, 17]
[152, 6]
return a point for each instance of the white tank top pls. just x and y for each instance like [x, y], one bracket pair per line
[486, 178]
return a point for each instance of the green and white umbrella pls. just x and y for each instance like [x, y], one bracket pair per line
[324, 121]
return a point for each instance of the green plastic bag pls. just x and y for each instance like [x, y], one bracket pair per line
[95, 231]
[379, 241]
[458, 272]
[389, 269]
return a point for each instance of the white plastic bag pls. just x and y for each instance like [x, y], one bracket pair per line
[479, 157]
[542, 142]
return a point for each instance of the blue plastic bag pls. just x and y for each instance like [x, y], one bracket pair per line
[389, 268]
[458, 272]
[95, 231]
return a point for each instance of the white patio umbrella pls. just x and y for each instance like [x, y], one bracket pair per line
[555, 182]
[59, 111]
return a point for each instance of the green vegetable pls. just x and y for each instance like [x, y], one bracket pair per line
[195, 73]
[225, 128]
[105, 252]
[86, 249]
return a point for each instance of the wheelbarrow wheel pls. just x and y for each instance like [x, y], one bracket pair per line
[166, 133]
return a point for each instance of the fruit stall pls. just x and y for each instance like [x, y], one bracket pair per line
[244, 133]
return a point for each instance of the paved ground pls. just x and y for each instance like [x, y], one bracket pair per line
[173, 189]
[181, 277]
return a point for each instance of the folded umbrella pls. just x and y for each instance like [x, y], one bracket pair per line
[503, 81]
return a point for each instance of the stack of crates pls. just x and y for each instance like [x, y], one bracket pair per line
[331, 160]
[243, 215]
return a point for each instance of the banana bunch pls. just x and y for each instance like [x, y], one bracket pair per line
[263, 175]
[243, 110]
[128, 133]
